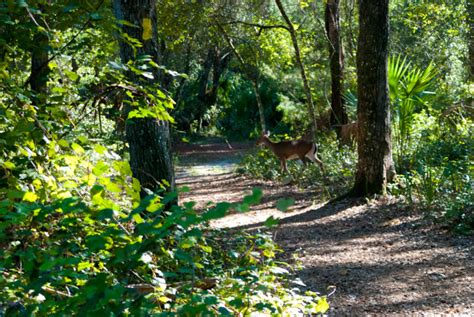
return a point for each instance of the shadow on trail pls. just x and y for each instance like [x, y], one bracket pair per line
[311, 215]
[404, 267]
[382, 257]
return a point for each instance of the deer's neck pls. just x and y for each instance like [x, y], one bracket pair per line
[269, 143]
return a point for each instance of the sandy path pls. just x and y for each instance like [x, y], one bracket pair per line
[382, 257]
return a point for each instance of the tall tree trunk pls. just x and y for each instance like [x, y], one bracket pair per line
[252, 73]
[39, 64]
[148, 138]
[299, 62]
[336, 56]
[261, 111]
[375, 165]
[470, 23]
[217, 61]
[203, 80]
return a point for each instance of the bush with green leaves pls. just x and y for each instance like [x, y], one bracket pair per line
[441, 174]
[77, 240]
[70, 257]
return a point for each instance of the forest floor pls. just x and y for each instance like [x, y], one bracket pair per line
[383, 257]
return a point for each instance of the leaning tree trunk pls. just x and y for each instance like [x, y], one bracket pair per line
[39, 65]
[336, 56]
[375, 165]
[207, 95]
[148, 138]
[252, 73]
[299, 62]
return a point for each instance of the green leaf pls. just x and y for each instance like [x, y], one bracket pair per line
[83, 139]
[322, 306]
[217, 212]
[224, 311]
[113, 187]
[271, 221]
[254, 198]
[9, 165]
[100, 168]
[283, 204]
[242, 207]
[100, 149]
[30, 196]
[77, 148]
[63, 143]
[206, 248]
[71, 75]
[188, 243]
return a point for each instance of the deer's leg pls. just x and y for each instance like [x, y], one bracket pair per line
[283, 165]
[303, 159]
[315, 159]
[320, 163]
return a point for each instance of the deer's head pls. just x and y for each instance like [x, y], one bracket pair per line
[263, 138]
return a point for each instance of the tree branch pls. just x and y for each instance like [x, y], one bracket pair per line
[260, 26]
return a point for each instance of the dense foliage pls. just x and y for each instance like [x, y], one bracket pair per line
[77, 235]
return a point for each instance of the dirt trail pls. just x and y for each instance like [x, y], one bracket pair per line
[382, 257]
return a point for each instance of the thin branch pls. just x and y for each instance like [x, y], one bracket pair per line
[260, 26]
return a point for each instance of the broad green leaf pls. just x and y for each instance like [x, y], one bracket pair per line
[218, 211]
[113, 187]
[322, 306]
[206, 248]
[9, 165]
[99, 148]
[100, 168]
[254, 198]
[83, 139]
[30, 196]
[77, 148]
[283, 204]
[63, 143]
[271, 221]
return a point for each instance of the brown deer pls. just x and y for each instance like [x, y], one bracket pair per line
[290, 150]
[349, 133]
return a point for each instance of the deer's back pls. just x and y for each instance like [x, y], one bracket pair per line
[288, 149]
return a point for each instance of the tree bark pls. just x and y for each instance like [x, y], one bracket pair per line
[217, 61]
[299, 62]
[39, 64]
[470, 23]
[252, 74]
[148, 138]
[375, 165]
[336, 58]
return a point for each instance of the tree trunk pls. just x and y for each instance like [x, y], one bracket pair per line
[375, 166]
[39, 64]
[216, 61]
[148, 138]
[299, 62]
[251, 74]
[336, 56]
[470, 23]
[261, 110]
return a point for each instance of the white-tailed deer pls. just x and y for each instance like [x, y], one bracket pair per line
[349, 133]
[290, 150]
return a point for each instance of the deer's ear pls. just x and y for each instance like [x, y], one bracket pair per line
[267, 133]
